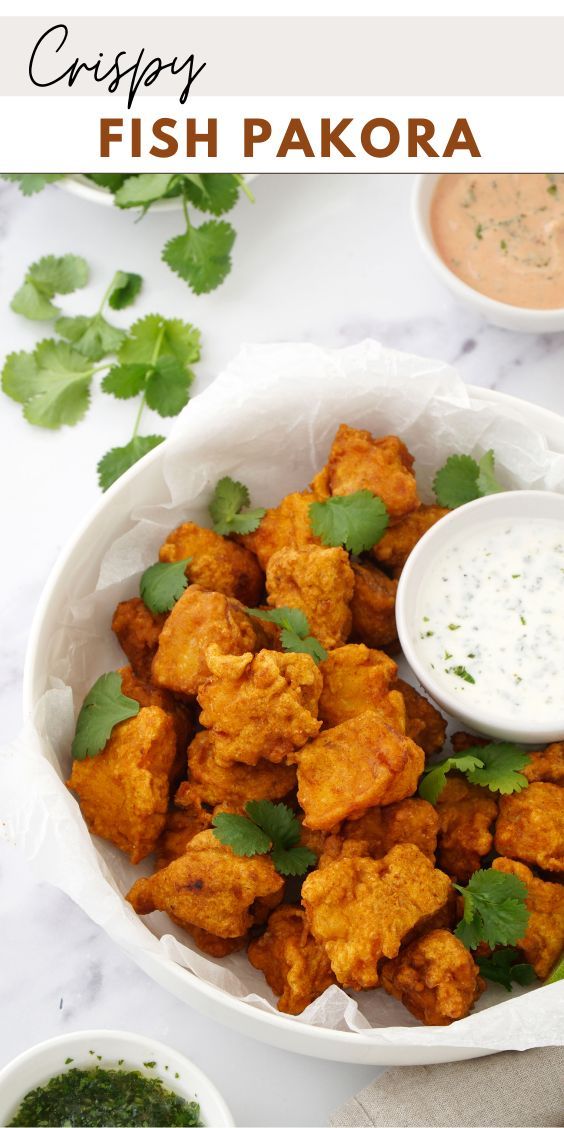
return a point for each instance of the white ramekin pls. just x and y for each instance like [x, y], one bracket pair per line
[468, 518]
[498, 313]
[48, 1059]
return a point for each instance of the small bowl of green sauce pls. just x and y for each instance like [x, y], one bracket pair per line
[110, 1078]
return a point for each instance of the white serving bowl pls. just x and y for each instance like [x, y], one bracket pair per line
[468, 519]
[502, 314]
[75, 576]
[48, 1059]
[79, 185]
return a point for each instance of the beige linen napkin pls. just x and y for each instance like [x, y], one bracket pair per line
[510, 1090]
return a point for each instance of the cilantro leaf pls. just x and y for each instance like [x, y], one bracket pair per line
[216, 192]
[229, 498]
[495, 909]
[48, 276]
[31, 182]
[502, 767]
[240, 834]
[119, 459]
[124, 289]
[487, 482]
[202, 255]
[162, 584]
[53, 383]
[142, 189]
[124, 381]
[557, 972]
[462, 479]
[266, 827]
[103, 708]
[357, 520]
[166, 390]
[155, 334]
[94, 337]
[434, 776]
[505, 966]
[110, 180]
[294, 634]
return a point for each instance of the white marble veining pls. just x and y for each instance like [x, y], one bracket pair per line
[330, 259]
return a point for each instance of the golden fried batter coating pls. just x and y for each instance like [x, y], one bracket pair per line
[209, 886]
[435, 977]
[357, 461]
[197, 621]
[286, 526]
[410, 820]
[546, 766]
[261, 706]
[354, 679]
[358, 764]
[216, 564]
[318, 581]
[462, 741]
[425, 725]
[137, 630]
[335, 848]
[215, 946]
[123, 791]
[530, 826]
[180, 828]
[373, 606]
[361, 909]
[147, 694]
[543, 941]
[295, 966]
[466, 814]
[215, 783]
[400, 538]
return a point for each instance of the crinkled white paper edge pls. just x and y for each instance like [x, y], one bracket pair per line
[268, 420]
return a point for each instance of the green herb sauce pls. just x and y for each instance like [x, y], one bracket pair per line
[104, 1097]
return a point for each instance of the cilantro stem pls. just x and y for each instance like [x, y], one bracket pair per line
[105, 297]
[138, 416]
[244, 186]
[185, 210]
[154, 358]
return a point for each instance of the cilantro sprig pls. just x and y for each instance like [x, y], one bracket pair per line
[229, 510]
[497, 766]
[44, 279]
[495, 909]
[31, 182]
[266, 828]
[295, 633]
[162, 584]
[464, 479]
[103, 708]
[357, 520]
[506, 967]
[94, 336]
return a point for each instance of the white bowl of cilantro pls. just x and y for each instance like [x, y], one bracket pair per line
[163, 191]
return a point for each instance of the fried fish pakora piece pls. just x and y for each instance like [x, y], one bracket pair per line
[261, 706]
[373, 606]
[335, 847]
[295, 966]
[123, 791]
[209, 887]
[393, 549]
[318, 581]
[362, 910]
[213, 783]
[216, 564]
[359, 764]
[197, 621]
[425, 725]
[410, 820]
[137, 630]
[546, 766]
[286, 526]
[544, 939]
[181, 826]
[357, 461]
[530, 826]
[466, 816]
[354, 679]
[435, 977]
[147, 694]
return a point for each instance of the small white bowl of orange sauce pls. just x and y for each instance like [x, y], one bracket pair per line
[497, 241]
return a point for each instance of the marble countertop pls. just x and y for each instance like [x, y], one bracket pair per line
[328, 259]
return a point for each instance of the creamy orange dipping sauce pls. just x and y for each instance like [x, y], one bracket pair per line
[503, 235]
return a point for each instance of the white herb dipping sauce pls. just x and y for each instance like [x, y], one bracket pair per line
[489, 619]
